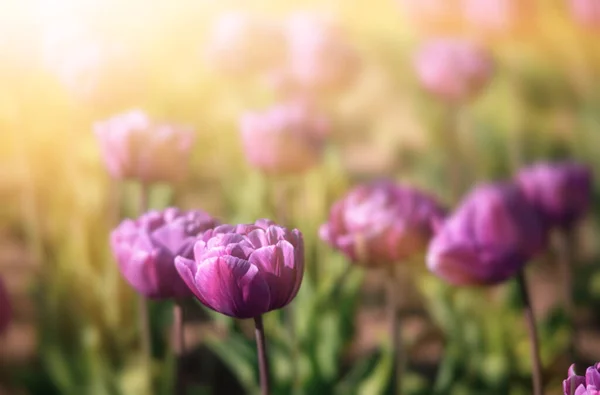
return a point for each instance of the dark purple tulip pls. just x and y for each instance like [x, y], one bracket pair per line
[580, 385]
[560, 191]
[381, 223]
[488, 239]
[5, 308]
[145, 249]
[245, 271]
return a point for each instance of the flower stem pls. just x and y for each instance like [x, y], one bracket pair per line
[178, 347]
[263, 361]
[535, 348]
[395, 330]
[564, 250]
[143, 313]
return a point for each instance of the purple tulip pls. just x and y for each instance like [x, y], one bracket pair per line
[488, 239]
[5, 308]
[135, 147]
[586, 13]
[145, 249]
[245, 271]
[287, 138]
[560, 191]
[453, 70]
[580, 385]
[381, 223]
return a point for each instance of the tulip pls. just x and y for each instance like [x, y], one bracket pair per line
[381, 223]
[586, 13]
[319, 58]
[453, 70]
[145, 249]
[245, 271]
[488, 239]
[135, 147]
[583, 385]
[503, 18]
[287, 138]
[243, 42]
[561, 191]
[5, 308]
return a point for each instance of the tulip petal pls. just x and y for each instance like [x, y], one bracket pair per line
[232, 287]
[276, 264]
[186, 268]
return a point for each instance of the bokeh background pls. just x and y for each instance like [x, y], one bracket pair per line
[67, 64]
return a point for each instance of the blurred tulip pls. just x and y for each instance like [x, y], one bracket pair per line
[381, 223]
[245, 43]
[433, 16]
[561, 192]
[245, 271]
[319, 59]
[488, 239]
[586, 13]
[499, 18]
[135, 147]
[583, 385]
[454, 70]
[286, 138]
[145, 249]
[5, 308]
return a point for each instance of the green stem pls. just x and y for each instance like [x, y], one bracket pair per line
[143, 312]
[263, 361]
[178, 347]
[536, 363]
[564, 249]
[395, 331]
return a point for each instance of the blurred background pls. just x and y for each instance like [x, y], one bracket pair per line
[65, 65]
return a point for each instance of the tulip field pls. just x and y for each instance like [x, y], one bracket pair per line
[387, 197]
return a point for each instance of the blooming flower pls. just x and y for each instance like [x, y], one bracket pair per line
[242, 42]
[135, 147]
[499, 17]
[381, 223]
[560, 191]
[488, 239]
[5, 308]
[319, 58]
[145, 249]
[586, 13]
[453, 70]
[286, 138]
[583, 385]
[245, 271]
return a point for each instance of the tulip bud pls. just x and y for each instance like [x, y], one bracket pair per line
[287, 138]
[586, 13]
[245, 271]
[5, 308]
[381, 223]
[145, 249]
[135, 147]
[561, 192]
[245, 43]
[488, 239]
[583, 385]
[319, 59]
[453, 70]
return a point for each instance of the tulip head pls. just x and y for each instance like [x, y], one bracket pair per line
[453, 70]
[135, 147]
[583, 385]
[561, 192]
[245, 271]
[381, 223]
[287, 138]
[145, 249]
[488, 239]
